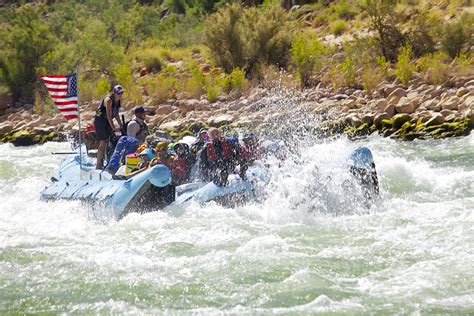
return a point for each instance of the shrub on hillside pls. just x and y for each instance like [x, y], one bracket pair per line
[405, 67]
[338, 27]
[307, 54]
[435, 67]
[162, 87]
[245, 37]
[24, 43]
[374, 73]
[151, 59]
[344, 10]
[464, 65]
[224, 38]
[458, 36]
[348, 70]
[385, 22]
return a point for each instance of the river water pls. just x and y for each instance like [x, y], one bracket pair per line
[309, 246]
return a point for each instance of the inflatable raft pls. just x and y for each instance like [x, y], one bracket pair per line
[151, 189]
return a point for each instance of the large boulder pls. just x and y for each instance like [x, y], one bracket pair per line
[353, 120]
[173, 125]
[186, 106]
[436, 119]
[400, 119]
[380, 105]
[368, 119]
[462, 91]
[23, 138]
[432, 105]
[165, 109]
[390, 110]
[451, 103]
[6, 127]
[405, 105]
[349, 103]
[396, 95]
[379, 118]
[221, 120]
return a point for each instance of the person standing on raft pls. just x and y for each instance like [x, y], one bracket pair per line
[107, 111]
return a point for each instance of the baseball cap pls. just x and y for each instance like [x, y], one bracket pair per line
[118, 89]
[140, 109]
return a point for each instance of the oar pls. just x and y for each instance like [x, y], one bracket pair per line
[65, 153]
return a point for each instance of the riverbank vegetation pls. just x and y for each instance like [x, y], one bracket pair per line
[172, 49]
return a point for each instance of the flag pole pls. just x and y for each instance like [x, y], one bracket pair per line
[79, 121]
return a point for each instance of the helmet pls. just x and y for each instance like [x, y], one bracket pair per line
[182, 145]
[161, 146]
[148, 153]
[249, 135]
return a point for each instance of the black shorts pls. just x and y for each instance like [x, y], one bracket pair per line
[103, 130]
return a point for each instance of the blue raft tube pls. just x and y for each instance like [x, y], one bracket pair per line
[149, 190]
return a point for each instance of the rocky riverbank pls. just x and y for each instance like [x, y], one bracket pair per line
[419, 111]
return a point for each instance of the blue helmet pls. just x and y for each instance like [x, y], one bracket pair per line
[148, 153]
[361, 157]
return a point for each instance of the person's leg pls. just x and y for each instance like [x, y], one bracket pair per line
[101, 154]
[102, 135]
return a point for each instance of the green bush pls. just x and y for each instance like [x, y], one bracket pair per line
[405, 67]
[344, 10]
[224, 38]
[237, 80]
[307, 54]
[23, 43]
[348, 71]
[385, 21]
[457, 36]
[245, 37]
[162, 87]
[151, 59]
[338, 27]
[195, 84]
[435, 67]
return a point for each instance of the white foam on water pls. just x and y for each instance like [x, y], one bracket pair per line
[308, 246]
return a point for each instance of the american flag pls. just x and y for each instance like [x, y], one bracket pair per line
[63, 90]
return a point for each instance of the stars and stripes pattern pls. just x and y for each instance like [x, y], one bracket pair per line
[63, 91]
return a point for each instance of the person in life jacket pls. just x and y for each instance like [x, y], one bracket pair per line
[183, 161]
[137, 127]
[219, 157]
[146, 158]
[126, 145]
[202, 139]
[162, 156]
[250, 151]
[107, 111]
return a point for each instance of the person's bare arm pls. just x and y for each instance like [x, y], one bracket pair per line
[117, 118]
[128, 176]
